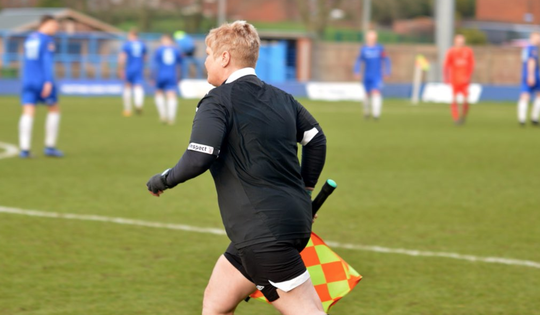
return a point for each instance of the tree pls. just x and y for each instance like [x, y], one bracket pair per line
[466, 8]
[474, 36]
[146, 14]
[51, 4]
[386, 11]
[316, 13]
[194, 17]
[79, 5]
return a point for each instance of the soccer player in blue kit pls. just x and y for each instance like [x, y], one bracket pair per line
[167, 60]
[131, 70]
[376, 66]
[530, 82]
[38, 87]
[185, 43]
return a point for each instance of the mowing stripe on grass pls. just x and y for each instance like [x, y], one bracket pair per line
[10, 150]
[189, 228]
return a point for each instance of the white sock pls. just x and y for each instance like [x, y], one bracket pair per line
[25, 131]
[522, 110]
[160, 105]
[126, 96]
[138, 95]
[536, 109]
[366, 106]
[172, 106]
[52, 125]
[376, 101]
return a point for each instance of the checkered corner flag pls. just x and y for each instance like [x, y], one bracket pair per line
[332, 276]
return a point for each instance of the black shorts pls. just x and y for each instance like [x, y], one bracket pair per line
[271, 264]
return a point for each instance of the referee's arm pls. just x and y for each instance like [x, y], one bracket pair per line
[207, 134]
[313, 140]
[209, 129]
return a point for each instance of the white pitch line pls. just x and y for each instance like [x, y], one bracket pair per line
[10, 150]
[412, 252]
[189, 228]
[90, 217]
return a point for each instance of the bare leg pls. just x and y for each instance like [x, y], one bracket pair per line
[226, 289]
[302, 300]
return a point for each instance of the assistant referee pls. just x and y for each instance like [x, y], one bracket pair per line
[247, 133]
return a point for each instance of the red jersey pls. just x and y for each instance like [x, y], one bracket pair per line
[458, 66]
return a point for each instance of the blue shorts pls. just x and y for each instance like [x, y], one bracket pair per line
[134, 77]
[373, 84]
[525, 88]
[166, 84]
[31, 94]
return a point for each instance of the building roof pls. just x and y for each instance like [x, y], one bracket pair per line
[25, 19]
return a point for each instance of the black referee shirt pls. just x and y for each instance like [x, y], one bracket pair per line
[247, 132]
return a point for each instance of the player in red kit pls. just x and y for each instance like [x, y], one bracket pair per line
[458, 68]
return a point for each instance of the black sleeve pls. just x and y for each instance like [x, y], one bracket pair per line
[313, 158]
[207, 134]
[312, 137]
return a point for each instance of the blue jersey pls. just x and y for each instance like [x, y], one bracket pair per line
[135, 52]
[530, 52]
[375, 60]
[166, 62]
[38, 60]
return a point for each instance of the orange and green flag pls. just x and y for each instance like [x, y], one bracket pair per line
[422, 62]
[332, 277]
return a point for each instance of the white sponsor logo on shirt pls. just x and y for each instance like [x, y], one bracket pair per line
[260, 287]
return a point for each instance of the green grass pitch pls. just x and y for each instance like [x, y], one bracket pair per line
[412, 180]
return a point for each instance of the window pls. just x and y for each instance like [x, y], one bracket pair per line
[13, 46]
[74, 48]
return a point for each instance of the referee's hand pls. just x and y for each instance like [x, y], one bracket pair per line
[156, 185]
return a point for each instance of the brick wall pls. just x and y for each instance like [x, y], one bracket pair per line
[335, 61]
[250, 10]
[511, 11]
[262, 10]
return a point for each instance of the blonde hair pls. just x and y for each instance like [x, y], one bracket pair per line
[239, 38]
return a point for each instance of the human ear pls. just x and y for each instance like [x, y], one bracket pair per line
[225, 59]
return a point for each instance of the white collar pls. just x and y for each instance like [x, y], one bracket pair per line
[240, 73]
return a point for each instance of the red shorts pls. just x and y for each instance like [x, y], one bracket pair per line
[460, 88]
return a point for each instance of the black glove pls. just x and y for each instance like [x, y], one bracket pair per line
[158, 182]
